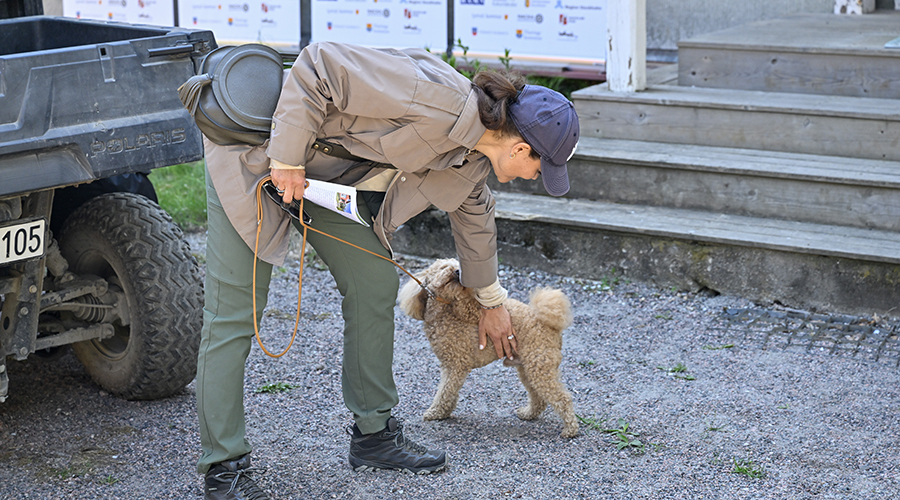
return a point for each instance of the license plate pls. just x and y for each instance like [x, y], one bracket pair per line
[21, 241]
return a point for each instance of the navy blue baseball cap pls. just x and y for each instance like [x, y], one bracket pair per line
[548, 122]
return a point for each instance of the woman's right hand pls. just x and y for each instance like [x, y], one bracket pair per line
[291, 181]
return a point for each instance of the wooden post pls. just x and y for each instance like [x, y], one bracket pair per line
[626, 57]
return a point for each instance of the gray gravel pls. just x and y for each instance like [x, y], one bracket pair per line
[816, 425]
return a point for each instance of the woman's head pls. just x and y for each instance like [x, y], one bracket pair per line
[544, 119]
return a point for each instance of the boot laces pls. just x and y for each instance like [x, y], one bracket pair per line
[408, 444]
[241, 481]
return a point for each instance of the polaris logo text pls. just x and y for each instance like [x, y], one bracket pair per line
[150, 140]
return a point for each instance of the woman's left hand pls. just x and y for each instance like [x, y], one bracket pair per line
[496, 324]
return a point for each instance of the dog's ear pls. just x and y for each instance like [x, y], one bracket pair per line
[412, 299]
[447, 284]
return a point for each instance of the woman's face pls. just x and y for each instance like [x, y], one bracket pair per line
[518, 164]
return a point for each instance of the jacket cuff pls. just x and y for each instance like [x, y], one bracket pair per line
[478, 274]
[289, 144]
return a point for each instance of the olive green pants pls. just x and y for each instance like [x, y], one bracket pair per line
[368, 286]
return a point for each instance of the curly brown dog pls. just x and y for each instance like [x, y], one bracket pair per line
[452, 330]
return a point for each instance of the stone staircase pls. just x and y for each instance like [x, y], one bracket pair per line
[779, 182]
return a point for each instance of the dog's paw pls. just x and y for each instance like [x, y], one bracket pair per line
[569, 432]
[527, 413]
[433, 414]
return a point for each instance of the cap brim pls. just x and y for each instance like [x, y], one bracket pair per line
[556, 178]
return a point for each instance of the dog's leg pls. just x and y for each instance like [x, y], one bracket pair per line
[447, 393]
[545, 381]
[536, 403]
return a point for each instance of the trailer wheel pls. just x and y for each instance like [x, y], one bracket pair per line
[133, 244]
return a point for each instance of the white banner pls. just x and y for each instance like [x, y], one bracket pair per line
[155, 12]
[381, 23]
[274, 23]
[533, 30]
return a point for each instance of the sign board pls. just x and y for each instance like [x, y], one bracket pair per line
[155, 12]
[272, 22]
[552, 31]
[381, 23]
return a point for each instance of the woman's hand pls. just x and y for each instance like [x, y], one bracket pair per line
[496, 324]
[291, 181]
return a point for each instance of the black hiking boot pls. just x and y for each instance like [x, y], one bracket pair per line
[390, 449]
[229, 480]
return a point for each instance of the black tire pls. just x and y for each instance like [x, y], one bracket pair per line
[132, 243]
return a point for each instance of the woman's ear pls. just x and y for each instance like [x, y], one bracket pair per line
[521, 148]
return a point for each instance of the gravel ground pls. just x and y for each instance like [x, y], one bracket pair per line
[813, 425]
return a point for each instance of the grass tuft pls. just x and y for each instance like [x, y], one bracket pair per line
[748, 468]
[275, 388]
[181, 190]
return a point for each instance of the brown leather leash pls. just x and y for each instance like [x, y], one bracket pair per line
[259, 219]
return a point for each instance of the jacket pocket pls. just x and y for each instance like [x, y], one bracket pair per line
[405, 149]
[446, 189]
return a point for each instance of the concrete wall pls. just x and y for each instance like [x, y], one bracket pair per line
[671, 20]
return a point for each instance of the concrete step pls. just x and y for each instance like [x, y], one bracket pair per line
[793, 186]
[803, 53]
[853, 127]
[705, 227]
[798, 264]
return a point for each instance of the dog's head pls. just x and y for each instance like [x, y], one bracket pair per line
[441, 278]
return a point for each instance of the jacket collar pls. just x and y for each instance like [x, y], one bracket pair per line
[468, 128]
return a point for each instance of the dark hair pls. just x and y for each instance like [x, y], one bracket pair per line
[496, 92]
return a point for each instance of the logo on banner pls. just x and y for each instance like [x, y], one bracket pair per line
[471, 2]
[329, 25]
[230, 21]
[407, 14]
[474, 31]
[265, 8]
[369, 27]
[563, 19]
[518, 33]
[195, 20]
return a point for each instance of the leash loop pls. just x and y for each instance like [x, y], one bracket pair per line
[306, 226]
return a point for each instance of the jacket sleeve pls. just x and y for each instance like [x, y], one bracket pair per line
[475, 235]
[346, 78]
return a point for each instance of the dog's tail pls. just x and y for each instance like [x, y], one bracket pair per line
[553, 308]
[413, 298]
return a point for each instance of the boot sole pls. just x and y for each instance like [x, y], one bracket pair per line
[362, 466]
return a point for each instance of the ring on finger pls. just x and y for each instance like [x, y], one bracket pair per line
[279, 190]
[510, 337]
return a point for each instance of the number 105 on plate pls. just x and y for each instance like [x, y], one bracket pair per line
[24, 240]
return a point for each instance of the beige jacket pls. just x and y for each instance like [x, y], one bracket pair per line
[406, 108]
